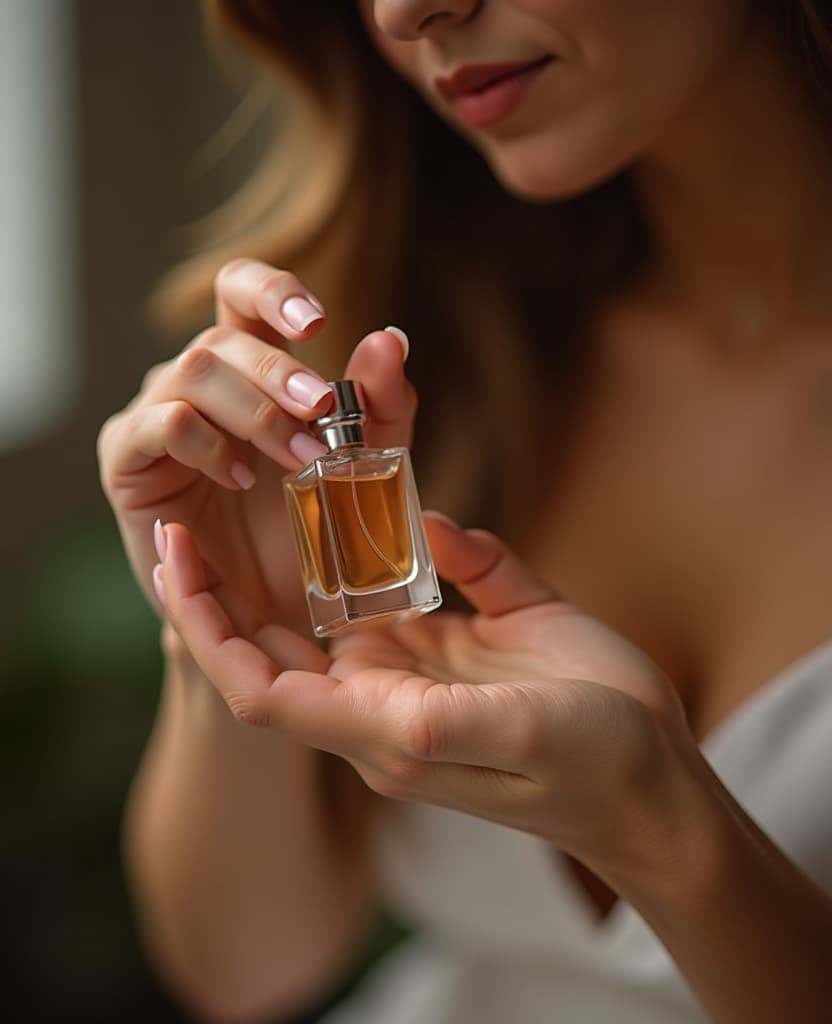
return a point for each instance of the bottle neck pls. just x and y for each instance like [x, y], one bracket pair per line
[343, 426]
[342, 435]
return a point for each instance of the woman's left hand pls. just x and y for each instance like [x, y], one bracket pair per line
[529, 713]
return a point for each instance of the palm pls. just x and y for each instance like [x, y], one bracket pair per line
[533, 646]
[530, 713]
[504, 716]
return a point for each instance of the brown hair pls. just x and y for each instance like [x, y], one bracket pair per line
[809, 27]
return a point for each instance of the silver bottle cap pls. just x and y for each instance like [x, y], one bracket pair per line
[343, 424]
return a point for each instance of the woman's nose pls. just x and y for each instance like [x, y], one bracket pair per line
[411, 19]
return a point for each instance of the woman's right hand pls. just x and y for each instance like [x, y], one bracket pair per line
[211, 434]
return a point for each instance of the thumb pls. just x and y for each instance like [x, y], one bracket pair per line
[486, 572]
[389, 398]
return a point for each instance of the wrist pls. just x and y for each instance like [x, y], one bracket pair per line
[665, 855]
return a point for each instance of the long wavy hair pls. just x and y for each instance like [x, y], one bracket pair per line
[392, 218]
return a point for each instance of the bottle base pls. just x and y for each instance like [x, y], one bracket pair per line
[333, 616]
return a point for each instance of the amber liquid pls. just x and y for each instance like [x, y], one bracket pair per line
[316, 563]
[372, 532]
[370, 527]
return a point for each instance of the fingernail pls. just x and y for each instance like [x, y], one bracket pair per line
[159, 540]
[299, 312]
[443, 519]
[402, 338]
[306, 448]
[242, 475]
[306, 389]
[159, 586]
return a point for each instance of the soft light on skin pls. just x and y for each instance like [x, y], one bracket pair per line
[625, 74]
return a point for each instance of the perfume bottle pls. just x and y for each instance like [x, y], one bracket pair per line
[355, 513]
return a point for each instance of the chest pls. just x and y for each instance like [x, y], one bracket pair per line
[692, 511]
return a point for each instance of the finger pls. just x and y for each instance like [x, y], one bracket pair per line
[223, 395]
[177, 430]
[500, 796]
[251, 294]
[396, 720]
[365, 716]
[389, 398]
[488, 575]
[297, 389]
[243, 669]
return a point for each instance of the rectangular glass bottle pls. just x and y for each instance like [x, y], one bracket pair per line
[361, 544]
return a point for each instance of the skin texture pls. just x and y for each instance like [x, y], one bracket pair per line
[598, 107]
[697, 99]
[499, 714]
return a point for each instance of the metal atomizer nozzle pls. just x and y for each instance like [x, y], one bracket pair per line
[344, 424]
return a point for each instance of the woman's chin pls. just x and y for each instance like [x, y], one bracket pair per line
[534, 191]
[549, 181]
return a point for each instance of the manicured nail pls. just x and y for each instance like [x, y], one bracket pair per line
[242, 475]
[159, 586]
[402, 338]
[299, 312]
[443, 519]
[306, 448]
[159, 540]
[306, 389]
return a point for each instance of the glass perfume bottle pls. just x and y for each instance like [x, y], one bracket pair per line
[358, 527]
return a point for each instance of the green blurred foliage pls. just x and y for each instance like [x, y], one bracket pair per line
[80, 685]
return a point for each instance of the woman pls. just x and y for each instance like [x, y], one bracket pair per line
[618, 291]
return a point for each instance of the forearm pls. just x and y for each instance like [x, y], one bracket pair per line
[244, 898]
[748, 929]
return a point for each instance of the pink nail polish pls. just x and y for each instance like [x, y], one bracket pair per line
[307, 389]
[242, 475]
[159, 540]
[306, 448]
[299, 312]
[399, 333]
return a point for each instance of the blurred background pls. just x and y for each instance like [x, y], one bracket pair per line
[109, 114]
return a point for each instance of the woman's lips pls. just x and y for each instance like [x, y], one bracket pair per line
[486, 93]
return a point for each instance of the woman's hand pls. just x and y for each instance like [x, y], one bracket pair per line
[211, 434]
[530, 713]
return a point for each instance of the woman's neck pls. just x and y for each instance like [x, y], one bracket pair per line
[738, 200]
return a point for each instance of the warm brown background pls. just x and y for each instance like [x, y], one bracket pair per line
[80, 668]
[150, 99]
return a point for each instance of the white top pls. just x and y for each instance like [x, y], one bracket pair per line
[506, 936]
